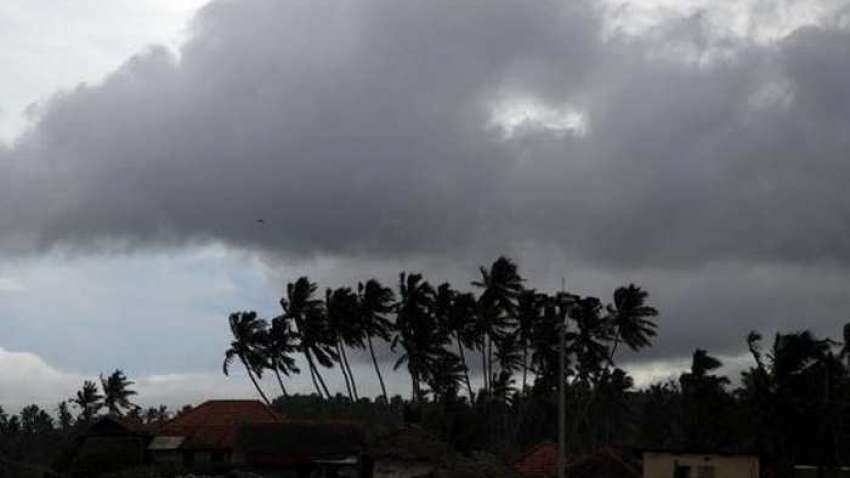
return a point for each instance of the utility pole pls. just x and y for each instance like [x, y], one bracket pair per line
[562, 395]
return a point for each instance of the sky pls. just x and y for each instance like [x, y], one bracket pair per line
[696, 148]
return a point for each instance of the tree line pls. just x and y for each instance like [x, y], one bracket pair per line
[436, 331]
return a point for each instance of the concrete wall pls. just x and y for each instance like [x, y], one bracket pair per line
[663, 465]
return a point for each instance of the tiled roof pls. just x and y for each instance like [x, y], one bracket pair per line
[213, 424]
[541, 461]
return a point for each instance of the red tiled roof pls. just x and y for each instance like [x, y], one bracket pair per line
[213, 424]
[541, 461]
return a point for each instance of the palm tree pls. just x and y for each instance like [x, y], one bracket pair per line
[629, 317]
[247, 331]
[317, 341]
[589, 339]
[341, 307]
[501, 285]
[116, 392]
[529, 311]
[279, 343]
[374, 302]
[416, 328]
[456, 312]
[88, 400]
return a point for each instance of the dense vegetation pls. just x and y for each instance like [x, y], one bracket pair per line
[790, 406]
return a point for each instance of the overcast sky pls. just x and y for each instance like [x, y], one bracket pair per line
[697, 148]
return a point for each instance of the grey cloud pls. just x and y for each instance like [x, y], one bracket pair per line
[363, 129]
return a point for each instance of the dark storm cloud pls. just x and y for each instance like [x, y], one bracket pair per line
[367, 129]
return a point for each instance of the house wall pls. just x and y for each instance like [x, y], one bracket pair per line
[663, 465]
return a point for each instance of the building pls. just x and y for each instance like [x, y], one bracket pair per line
[205, 436]
[541, 461]
[222, 435]
[699, 464]
[108, 443]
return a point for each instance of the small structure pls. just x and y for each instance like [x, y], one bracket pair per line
[224, 435]
[409, 452]
[205, 436]
[108, 443]
[699, 464]
[541, 461]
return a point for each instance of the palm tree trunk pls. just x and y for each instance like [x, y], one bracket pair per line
[342, 369]
[315, 382]
[484, 365]
[524, 365]
[465, 370]
[378, 370]
[313, 373]
[280, 382]
[254, 381]
[350, 373]
[318, 375]
[614, 348]
[490, 360]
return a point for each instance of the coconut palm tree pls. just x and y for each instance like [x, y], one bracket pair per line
[316, 340]
[279, 343]
[588, 340]
[88, 400]
[341, 307]
[456, 312]
[374, 303]
[501, 284]
[416, 329]
[630, 318]
[247, 331]
[116, 392]
[530, 306]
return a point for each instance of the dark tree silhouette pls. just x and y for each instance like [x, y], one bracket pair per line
[374, 303]
[89, 400]
[279, 344]
[317, 340]
[247, 331]
[630, 318]
[416, 330]
[117, 393]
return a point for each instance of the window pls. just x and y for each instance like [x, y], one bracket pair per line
[705, 472]
[682, 471]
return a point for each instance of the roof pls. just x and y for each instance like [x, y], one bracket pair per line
[540, 461]
[410, 443]
[214, 423]
[603, 463]
[299, 441]
[700, 451]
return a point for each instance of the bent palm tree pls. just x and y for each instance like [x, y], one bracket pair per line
[629, 317]
[247, 332]
[416, 329]
[116, 392]
[341, 307]
[88, 400]
[501, 285]
[374, 302]
[310, 319]
[280, 342]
